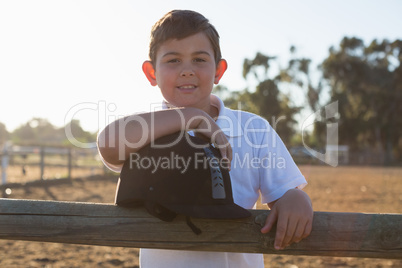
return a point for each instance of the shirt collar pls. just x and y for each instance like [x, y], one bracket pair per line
[227, 120]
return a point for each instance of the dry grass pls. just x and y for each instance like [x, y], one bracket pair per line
[355, 189]
[348, 189]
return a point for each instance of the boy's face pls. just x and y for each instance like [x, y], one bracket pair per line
[185, 70]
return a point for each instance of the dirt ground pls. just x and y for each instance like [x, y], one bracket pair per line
[348, 189]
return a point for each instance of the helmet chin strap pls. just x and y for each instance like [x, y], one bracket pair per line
[159, 211]
[194, 228]
[165, 214]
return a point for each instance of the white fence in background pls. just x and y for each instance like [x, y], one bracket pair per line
[45, 156]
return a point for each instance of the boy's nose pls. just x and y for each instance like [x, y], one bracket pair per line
[187, 72]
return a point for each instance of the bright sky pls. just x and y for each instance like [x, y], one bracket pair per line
[64, 60]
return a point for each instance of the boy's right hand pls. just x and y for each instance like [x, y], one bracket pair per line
[209, 129]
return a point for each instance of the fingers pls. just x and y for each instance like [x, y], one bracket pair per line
[226, 153]
[294, 233]
[299, 233]
[282, 233]
[289, 232]
[221, 142]
[270, 221]
[290, 227]
[210, 129]
[308, 228]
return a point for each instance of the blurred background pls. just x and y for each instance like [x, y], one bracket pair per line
[327, 75]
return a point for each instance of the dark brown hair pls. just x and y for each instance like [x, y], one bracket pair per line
[179, 24]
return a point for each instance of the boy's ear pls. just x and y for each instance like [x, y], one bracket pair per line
[220, 70]
[149, 71]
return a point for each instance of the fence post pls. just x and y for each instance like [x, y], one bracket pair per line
[42, 162]
[4, 164]
[5, 161]
[69, 163]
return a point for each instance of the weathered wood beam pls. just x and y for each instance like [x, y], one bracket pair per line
[334, 233]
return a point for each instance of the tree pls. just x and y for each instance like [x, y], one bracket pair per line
[298, 73]
[78, 133]
[367, 82]
[39, 131]
[36, 131]
[266, 100]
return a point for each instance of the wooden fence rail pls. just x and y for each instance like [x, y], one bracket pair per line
[334, 234]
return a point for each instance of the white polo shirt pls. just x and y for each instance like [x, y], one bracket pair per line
[261, 165]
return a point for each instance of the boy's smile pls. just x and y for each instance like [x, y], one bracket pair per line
[186, 71]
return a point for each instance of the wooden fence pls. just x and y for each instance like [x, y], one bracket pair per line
[334, 234]
[45, 157]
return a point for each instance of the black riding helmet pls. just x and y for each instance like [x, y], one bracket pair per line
[178, 174]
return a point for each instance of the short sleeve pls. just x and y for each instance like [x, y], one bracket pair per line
[278, 171]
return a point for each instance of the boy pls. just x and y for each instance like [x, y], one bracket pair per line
[185, 62]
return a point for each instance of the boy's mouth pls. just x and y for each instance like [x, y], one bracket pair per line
[187, 88]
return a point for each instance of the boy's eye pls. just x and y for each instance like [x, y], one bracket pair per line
[199, 60]
[173, 61]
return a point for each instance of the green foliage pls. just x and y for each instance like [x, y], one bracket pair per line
[252, 66]
[266, 100]
[367, 82]
[298, 73]
[39, 131]
[79, 133]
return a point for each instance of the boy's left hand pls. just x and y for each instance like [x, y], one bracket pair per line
[293, 213]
